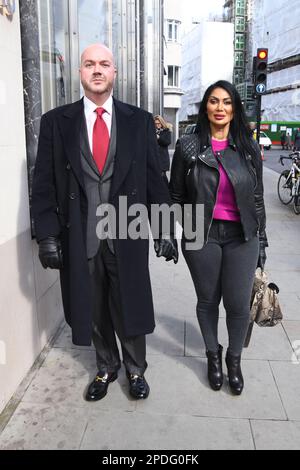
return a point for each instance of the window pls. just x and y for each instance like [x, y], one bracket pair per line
[239, 59]
[173, 76]
[53, 24]
[240, 24]
[173, 30]
[239, 42]
[240, 7]
[238, 76]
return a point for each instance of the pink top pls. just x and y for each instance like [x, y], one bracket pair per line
[225, 207]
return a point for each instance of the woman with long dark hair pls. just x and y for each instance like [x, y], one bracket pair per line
[220, 168]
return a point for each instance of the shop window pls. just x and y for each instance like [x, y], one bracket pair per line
[54, 53]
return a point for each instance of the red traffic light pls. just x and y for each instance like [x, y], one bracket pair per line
[262, 54]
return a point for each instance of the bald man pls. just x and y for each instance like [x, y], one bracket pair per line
[91, 153]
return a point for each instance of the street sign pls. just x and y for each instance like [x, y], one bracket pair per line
[260, 88]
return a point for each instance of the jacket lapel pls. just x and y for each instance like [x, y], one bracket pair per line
[85, 148]
[71, 122]
[125, 144]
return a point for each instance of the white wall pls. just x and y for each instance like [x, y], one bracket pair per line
[207, 56]
[30, 305]
[173, 9]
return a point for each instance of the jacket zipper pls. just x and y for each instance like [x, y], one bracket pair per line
[212, 218]
[233, 180]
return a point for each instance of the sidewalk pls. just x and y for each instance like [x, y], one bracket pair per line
[182, 412]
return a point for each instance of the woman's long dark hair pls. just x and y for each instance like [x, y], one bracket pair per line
[239, 128]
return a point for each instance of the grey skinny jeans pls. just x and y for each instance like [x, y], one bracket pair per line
[224, 267]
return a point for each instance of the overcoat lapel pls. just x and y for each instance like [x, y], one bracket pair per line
[71, 122]
[126, 135]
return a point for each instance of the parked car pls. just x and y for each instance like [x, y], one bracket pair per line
[265, 140]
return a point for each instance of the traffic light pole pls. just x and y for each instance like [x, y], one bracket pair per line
[259, 74]
[258, 116]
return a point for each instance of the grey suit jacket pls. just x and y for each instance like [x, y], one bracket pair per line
[97, 186]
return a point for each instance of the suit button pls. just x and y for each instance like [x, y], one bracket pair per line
[72, 196]
[68, 167]
[134, 192]
[68, 225]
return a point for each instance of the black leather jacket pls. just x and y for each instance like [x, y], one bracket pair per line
[195, 180]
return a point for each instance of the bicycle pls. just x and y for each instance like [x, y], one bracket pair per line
[288, 186]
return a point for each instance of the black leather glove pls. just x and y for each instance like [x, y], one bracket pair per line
[262, 256]
[50, 253]
[167, 247]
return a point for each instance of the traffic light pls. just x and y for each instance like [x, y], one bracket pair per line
[260, 64]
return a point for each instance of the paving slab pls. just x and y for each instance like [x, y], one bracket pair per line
[189, 393]
[141, 431]
[290, 305]
[44, 427]
[287, 377]
[292, 329]
[168, 337]
[276, 435]
[64, 378]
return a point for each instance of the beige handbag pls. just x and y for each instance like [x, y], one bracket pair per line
[265, 308]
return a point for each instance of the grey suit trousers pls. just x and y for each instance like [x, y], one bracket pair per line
[107, 318]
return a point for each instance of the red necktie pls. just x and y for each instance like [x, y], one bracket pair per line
[100, 140]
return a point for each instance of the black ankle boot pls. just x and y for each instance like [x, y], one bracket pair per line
[235, 376]
[214, 368]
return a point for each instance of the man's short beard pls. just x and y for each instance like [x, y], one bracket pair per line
[107, 89]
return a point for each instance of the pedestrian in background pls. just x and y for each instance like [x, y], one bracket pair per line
[283, 140]
[163, 135]
[289, 144]
[297, 140]
[93, 152]
[220, 167]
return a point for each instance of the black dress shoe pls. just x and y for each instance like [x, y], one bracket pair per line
[98, 388]
[235, 376]
[138, 387]
[214, 368]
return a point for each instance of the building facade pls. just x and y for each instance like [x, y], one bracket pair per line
[235, 11]
[40, 46]
[276, 26]
[206, 59]
[172, 63]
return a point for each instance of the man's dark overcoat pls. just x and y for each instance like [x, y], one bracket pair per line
[59, 206]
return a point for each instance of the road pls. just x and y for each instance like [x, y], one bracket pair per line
[272, 159]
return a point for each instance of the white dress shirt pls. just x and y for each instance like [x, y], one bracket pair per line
[90, 116]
